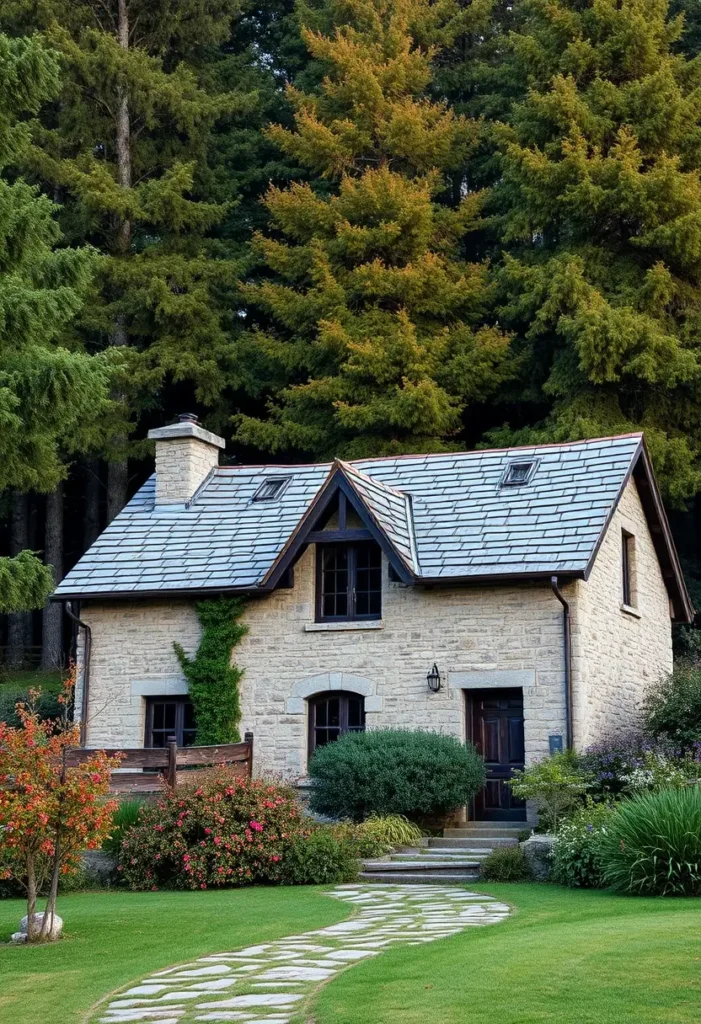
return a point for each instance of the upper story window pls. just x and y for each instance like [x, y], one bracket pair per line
[272, 488]
[348, 582]
[518, 473]
[628, 568]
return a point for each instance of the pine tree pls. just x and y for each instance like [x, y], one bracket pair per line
[126, 148]
[46, 391]
[372, 323]
[600, 206]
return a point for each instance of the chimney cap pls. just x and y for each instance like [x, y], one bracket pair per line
[187, 426]
[188, 417]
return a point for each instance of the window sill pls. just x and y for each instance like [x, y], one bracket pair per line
[628, 609]
[336, 627]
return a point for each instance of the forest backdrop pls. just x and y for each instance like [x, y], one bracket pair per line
[337, 227]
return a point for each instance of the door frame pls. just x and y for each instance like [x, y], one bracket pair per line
[469, 703]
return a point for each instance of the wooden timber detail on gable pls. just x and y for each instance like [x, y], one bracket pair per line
[342, 489]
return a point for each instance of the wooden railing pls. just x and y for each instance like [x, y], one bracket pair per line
[146, 769]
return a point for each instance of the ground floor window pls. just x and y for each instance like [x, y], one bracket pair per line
[333, 714]
[169, 718]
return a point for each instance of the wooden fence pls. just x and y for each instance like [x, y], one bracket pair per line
[146, 769]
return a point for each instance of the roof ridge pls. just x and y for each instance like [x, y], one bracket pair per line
[434, 455]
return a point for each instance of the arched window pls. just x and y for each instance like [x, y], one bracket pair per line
[332, 714]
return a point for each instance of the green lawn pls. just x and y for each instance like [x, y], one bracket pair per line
[566, 956]
[115, 938]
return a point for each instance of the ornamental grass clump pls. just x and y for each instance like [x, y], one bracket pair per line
[224, 831]
[394, 771]
[652, 846]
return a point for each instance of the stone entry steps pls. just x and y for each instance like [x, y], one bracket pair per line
[454, 858]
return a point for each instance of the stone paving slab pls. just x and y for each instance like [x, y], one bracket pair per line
[271, 982]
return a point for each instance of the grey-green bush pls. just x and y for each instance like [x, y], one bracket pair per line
[324, 857]
[507, 865]
[652, 846]
[388, 771]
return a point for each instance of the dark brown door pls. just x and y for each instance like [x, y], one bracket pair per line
[497, 732]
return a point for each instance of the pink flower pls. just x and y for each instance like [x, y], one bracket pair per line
[256, 826]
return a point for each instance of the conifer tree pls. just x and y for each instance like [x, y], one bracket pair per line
[46, 392]
[600, 204]
[372, 324]
[125, 148]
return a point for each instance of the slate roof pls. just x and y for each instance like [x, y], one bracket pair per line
[449, 516]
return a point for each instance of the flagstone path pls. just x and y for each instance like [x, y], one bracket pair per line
[271, 982]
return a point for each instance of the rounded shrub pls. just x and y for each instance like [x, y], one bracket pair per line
[324, 857]
[652, 846]
[388, 771]
[506, 865]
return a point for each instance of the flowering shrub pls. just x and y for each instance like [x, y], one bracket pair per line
[49, 812]
[577, 858]
[226, 831]
[617, 767]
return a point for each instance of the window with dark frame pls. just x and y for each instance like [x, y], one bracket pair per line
[627, 556]
[348, 582]
[168, 717]
[332, 715]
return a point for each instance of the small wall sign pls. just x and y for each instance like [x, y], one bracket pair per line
[555, 744]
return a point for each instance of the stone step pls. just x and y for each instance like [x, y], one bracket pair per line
[448, 854]
[480, 830]
[419, 878]
[421, 865]
[515, 826]
[473, 842]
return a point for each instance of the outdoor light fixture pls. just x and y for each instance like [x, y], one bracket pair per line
[434, 679]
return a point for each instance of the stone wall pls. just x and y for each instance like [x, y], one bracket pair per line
[618, 651]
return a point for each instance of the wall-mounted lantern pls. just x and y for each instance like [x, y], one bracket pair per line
[434, 679]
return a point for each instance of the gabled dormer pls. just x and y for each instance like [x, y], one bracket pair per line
[352, 521]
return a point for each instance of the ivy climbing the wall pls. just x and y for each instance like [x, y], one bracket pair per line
[213, 682]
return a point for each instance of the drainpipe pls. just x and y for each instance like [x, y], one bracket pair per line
[567, 648]
[85, 698]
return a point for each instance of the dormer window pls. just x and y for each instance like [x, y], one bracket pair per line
[518, 473]
[272, 488]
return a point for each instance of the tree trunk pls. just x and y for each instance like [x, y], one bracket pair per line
[18, 623]
[52, 620]
[91, 516]
[117, 474]
[31, 899]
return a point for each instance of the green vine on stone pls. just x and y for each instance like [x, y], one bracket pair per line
[213, 682]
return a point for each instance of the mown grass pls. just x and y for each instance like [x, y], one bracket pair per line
[566, 956]
[115, 938]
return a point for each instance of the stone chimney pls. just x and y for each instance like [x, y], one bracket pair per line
[185, 453]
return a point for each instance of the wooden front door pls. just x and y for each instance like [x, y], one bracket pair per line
[497, 733]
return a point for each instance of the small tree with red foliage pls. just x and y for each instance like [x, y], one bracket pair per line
[49, 812]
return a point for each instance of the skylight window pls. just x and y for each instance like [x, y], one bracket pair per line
[518, 473]
[272, 488]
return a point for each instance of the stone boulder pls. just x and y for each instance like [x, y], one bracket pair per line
[538, 852]
[56, 927]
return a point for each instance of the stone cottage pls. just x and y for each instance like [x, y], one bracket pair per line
[521, 598]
